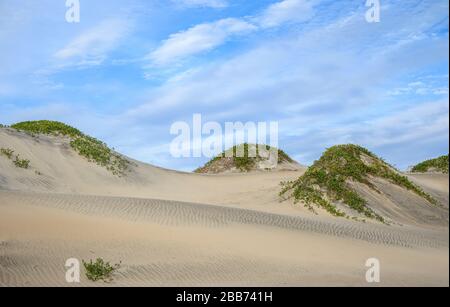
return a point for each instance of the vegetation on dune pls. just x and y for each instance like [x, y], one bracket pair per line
[22, 163]
[100, 270]
[7, 152]
[241, 158]
[328, 180]
[18, 162]
[48, 127]
[88, 147]
[96, 151]
[439, 164]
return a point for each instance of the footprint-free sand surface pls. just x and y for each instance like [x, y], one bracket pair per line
[169, 228]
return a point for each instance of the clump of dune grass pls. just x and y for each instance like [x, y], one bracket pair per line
[21, 163]
[100, 270]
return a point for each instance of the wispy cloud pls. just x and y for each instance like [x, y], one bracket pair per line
[200, 38]
[287, 11]
[424, 121]
[207, 36]
[429, 85]
[91, 47]
[316, 67]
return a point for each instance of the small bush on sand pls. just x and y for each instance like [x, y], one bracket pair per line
[100, 270]
[22, 163]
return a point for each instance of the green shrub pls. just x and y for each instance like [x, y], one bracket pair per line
[439, 164]
[88, 147]
[22, 163]
[100, 270]
[327, 180]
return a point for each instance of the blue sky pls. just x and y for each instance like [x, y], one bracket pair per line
[126, 72]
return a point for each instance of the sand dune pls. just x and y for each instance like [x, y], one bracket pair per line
[434, 183]
[173, 243]
[171, 228]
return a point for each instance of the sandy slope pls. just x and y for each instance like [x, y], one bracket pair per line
[64, 171]
[436, 184]
[171, 243]
[171, 228]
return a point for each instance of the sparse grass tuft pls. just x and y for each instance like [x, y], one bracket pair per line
[88, 147]
[439, 164]
[327, 181]
[9, 153]
[100, 270]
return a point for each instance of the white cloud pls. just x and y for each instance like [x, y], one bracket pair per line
[202, 3]
[200, 38]
[207, 36]
[316, 84]
[424, 121]
[427, 86]
[286, 11]
[90, 47]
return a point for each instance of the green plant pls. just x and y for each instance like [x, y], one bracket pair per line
[98, 152]
[47, 127]
[90, 148]
[22, 163]
[7, 152]
[100, 270]
[328, 180]
[439, 164]
[244, 157]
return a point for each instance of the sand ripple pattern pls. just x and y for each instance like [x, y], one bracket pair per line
[180, 213]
